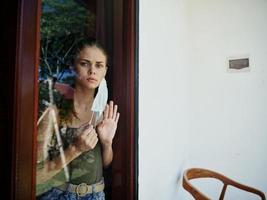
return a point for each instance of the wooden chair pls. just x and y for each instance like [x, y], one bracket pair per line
[195, 173]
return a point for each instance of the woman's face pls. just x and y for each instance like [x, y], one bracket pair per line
[91, 67]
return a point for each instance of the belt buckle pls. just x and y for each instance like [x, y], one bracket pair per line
[82, 189]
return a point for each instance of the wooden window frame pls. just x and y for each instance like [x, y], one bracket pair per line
[25, 104]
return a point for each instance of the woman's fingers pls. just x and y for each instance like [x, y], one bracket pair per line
[110, 114]
[90, 140]
[94, 142]
[84, 131]
[106, 112]
[110, 111]
[84, 127]
[117, 117]
[115, 112]
[90, 133]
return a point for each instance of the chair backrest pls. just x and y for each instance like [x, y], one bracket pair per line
[194, 173]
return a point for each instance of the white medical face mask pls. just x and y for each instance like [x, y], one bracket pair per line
[100, 100]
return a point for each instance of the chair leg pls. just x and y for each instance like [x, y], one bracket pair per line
[223, 192]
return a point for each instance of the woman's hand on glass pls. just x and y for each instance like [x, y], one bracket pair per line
[107, 128]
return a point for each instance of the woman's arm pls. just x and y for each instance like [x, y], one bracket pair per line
[50, 168]
[107, 155]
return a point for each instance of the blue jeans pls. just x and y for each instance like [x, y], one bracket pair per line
[57, 194]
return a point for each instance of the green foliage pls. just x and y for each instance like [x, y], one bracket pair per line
[63, 22]
[63, 18]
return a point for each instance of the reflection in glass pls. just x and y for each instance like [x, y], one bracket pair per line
[63, 23]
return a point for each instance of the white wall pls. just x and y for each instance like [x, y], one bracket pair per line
[162, 99]
[228, 110]
[186, 94]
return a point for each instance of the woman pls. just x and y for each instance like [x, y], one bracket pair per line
[86, 144]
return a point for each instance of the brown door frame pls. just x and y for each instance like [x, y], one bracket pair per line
[25, 100]
[124, 168]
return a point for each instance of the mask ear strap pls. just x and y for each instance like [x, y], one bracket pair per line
[90, 122]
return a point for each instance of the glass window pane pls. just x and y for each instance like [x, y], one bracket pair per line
[63, 24]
